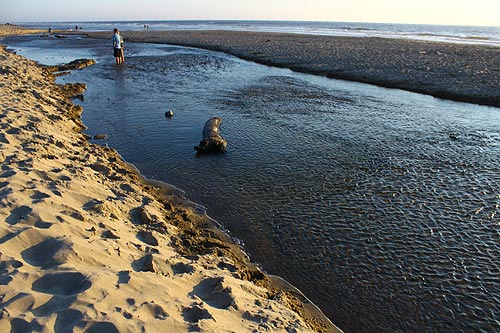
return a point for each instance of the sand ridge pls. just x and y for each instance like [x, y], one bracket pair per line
[86, 245]
[11, 29]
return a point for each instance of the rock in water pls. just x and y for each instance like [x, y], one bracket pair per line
[212, 140]
[73, 65]
[169, 114]
[100, 137]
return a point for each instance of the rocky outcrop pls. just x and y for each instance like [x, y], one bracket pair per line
[75, 64]
[212, 140]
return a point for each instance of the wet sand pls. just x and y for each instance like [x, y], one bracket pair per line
[89, 245]
[468, 73]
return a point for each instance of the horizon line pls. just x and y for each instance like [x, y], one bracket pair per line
[253, 20]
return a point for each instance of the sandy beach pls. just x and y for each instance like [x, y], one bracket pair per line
[11, 29]
[469, 73]
[87, 245]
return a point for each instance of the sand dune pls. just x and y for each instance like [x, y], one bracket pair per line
[87, 246]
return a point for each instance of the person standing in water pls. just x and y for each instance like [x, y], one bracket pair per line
[122, 47]
[117, 47]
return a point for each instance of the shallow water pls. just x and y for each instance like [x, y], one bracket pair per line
[380, 205]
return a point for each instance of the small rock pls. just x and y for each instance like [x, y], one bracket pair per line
[100, 137]
[169, 114]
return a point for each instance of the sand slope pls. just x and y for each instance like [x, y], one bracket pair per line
[85, 246]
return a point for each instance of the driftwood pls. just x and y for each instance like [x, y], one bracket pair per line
[212, 141]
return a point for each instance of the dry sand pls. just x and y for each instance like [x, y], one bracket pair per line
[469, 73]
[10, 29]
[86, 245]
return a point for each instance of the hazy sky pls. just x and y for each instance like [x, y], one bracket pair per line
[463, 12]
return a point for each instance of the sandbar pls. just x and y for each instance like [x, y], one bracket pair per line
[461, 72]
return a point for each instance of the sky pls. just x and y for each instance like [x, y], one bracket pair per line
[448, 12]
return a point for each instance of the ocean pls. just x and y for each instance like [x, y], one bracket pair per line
[443, 33]
[380, 205]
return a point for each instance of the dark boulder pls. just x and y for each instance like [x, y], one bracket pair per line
[212, 140]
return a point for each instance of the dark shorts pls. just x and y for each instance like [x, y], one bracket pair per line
[117, 52]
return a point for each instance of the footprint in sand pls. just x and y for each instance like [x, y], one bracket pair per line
[64, 178]
[50, 253]
[62, 284]
[38, 196]
[3, 139]
[123, 277]
[147, 237]
[126, 188]
[195, 313]
[144, 264]
[25, 215]
[108, 234]
[64, 287]
[67, 320]
[150, 310]
[18, 214]
[102, 327]
[13, 130]
[213, 292]
[255, 317]
[182, 268]
[8, 268]
[4, 192]
[8, 173]
[227, 266]
[55, 305]
[42, 224]
[18, 325]
[125, 313]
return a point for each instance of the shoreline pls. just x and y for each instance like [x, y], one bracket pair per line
[459, 72]
[77, 214]
[12, 29]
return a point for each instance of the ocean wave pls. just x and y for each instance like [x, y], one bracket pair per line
[453, 34]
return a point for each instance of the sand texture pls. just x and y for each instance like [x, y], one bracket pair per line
[87, 246]
[10, 29]
[469, 73]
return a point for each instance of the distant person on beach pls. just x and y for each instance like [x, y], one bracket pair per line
[117, 47]
[50, 30]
